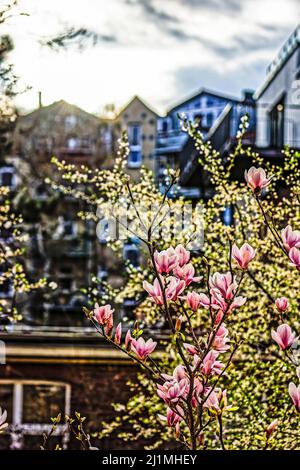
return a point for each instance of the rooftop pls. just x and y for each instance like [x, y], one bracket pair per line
[288, 48]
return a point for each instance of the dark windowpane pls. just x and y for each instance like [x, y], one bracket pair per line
[6, 399]
[42, 402]
[5, 441]
[7, 178]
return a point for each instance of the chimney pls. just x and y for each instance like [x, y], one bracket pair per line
[40, 100]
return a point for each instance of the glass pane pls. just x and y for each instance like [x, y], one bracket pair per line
[42, 402]
[6, 399]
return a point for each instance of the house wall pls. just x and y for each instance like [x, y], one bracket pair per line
[287, 83]
[137, 113]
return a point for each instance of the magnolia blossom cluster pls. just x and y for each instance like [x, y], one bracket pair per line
[175, 273]
[104, 317]
[176, 388]
[223, 287]
[291, 242]
[222, 296]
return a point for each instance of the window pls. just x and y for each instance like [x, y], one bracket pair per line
[209, 119]
[227, 216]
[8, 177]
[165, 126]
[135, 139]
[73, 143]
[6, 285]
[277, 125]
[67, 228]
[131, 254]
[70, 121]
[135, 158]
[30, 405]
[143, 115]
[66, 280]
[210, 102]
[134, 134]
[6, 288]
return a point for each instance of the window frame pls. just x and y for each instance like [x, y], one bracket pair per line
[34, 429]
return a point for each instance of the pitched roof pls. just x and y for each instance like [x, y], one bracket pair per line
[60, 105]
[134, 98]
[201, 92]
[287, 50]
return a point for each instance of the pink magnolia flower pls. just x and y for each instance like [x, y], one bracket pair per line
[187, 273]
[154, 291]
[143, 348]
[282, 304]
[238, 302]
[272, 427]
[172, 417]
[104, 316]
[223, 284]
[178, 373]
[295, 395]
[217, 400]
[290, 238]
[210, 365]
[218, 302]
[191, 349]
[118, 333]
[256, 178]
[183, 255]
[195, 300]
[3, 417]
[172, 391]
[220, 339]
[243, 255]
[175, 288]
[294, 255]
[165, 260]
[128, 339]
[284, 336]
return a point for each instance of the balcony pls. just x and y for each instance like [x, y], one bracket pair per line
[170, 142]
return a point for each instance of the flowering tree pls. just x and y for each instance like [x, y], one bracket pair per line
[14, 280]
[224, 305]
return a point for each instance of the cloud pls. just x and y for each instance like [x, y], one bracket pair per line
[189, 79]
[166, 49]
[152, 11]
[224, 6]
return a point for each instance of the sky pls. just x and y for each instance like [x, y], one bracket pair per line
[161, 50]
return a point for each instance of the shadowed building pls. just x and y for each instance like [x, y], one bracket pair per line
[139, 120]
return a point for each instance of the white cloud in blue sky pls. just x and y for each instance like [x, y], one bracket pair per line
[162, 50]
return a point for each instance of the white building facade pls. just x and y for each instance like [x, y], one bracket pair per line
[278, 100]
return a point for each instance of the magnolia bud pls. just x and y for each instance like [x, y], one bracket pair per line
[178, 323]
